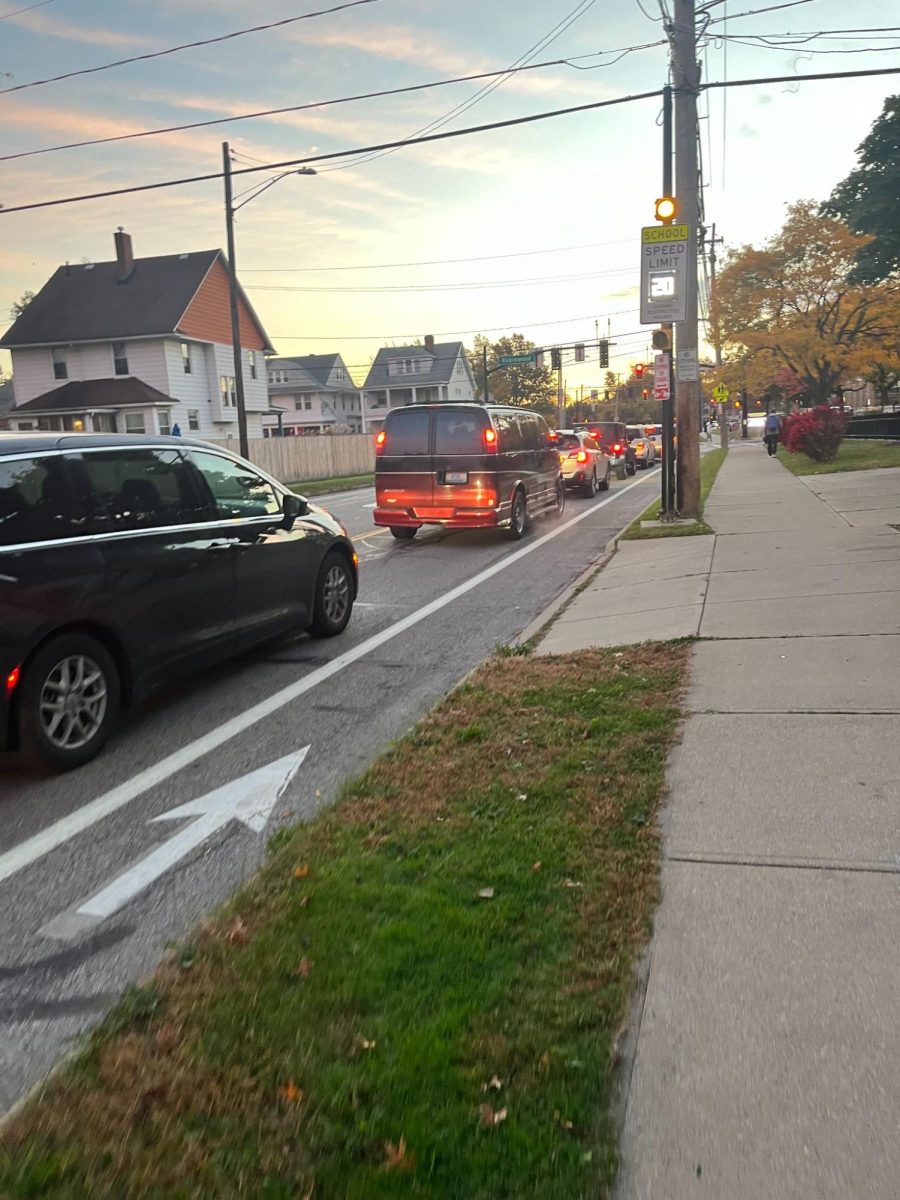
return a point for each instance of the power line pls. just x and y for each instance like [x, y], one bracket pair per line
[475, 285]
[224, 37]
[18, 11]
[447, 134]
[512, 327]
[754, 12]
[431, 137]
[435, 262]
[317, 104]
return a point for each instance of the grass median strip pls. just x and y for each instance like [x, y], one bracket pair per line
[852, 456]
[339, 483]
[420, 994]
[709, 469]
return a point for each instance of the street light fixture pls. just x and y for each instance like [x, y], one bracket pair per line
[230, 210]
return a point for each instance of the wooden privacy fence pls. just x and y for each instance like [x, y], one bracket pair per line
[294, 459]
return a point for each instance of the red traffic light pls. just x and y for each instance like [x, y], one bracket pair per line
[639, 370]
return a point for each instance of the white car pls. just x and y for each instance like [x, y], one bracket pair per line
[643, 445]
[583, 464]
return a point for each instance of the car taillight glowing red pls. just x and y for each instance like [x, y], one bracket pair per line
[490, 440]
[12, 679]
[617, 448]
[380, 439]
[581, 456]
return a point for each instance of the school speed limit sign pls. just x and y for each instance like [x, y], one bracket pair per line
[664, 273]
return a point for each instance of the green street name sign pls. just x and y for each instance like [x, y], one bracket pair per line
[517, 360]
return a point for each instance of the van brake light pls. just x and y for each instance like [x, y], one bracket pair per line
[380, 439]
[490, 440]
[617, 448]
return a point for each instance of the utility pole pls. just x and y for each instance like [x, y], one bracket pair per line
[484, 373]
[685, 79]
[235, 314]
[717, 341]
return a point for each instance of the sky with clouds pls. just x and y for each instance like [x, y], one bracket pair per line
[541, 222]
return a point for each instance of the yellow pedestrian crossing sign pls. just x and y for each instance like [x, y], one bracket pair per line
[720, 393]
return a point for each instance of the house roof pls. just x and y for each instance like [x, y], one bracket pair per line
[316, 368]
[83, 395]
[444, 356]
[86, 302]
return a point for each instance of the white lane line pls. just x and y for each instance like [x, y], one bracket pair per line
[61, 831]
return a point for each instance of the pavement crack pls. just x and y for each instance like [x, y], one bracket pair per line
[787, 864]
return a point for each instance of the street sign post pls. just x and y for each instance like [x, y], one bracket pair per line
[517, 360]
[664, 273]
[661, 377]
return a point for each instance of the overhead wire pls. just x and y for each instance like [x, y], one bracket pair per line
[223, 37]
[472, 285]
[28, 8]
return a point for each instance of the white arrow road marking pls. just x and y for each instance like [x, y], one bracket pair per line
[249, 799]
[76, 822]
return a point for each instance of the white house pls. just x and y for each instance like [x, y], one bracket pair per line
[427, 374]
[137, 346]
[314, 393]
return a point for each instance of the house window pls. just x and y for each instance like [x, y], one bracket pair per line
[165, 421]
[307, 404]
[227, 391]
[120, 358]
[24, 426]
[193, 419]
[186, 357]
[251, 362]
[134, 422]
[339, 374]
[60, 369]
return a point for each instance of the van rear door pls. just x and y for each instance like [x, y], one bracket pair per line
[403, 475]
[463, 464]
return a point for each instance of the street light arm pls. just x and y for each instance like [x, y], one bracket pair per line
[265, 187]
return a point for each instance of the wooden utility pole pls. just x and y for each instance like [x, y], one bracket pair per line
[685, 80]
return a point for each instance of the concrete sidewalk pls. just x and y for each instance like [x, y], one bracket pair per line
[766, 1063]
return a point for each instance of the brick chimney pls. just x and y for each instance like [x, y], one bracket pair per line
[429, 343]
[124, 255]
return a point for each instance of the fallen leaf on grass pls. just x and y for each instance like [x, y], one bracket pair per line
[238, 934]
[290, 1093]
[397, 1158]
[304, 967]
[365, 1044]
[494, 1083]
[536, 866]
[561, 1121]
[572, 883]
[491, 1117]
[301, 872]
[486, 894]
[522, 796]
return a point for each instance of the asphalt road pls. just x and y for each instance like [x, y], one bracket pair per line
[428, 612]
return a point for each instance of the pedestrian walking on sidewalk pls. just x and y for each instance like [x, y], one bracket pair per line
[772, 433]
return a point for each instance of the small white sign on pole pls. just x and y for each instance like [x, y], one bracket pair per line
[661, 377]
[687, 369]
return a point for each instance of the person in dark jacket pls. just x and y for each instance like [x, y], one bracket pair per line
[772, 433]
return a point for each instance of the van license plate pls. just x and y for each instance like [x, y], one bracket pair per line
[457, 477]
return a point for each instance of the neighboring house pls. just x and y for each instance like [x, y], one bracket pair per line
[427, 374]
[7, 396]
[137, 346]
[314, 393]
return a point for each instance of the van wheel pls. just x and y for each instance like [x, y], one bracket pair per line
[518, 518]
[620, 471]
[404, 533]
[591, 487]
[630, 468]
[334, 597]
[69, 703]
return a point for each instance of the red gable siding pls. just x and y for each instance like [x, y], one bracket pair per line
[209, 316]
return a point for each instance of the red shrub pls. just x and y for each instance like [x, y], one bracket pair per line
[816, 432]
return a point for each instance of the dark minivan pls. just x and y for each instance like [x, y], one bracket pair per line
[465, 466]
[125, 562]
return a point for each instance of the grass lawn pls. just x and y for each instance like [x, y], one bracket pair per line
[709, 469]
[852, 456]
[341, 483]
[421, 993]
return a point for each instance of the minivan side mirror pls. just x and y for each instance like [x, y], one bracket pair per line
[294, 506]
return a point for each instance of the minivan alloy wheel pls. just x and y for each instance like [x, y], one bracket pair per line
[73, 702]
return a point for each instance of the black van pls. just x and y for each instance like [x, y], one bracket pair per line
[125, 562]
[465, 466]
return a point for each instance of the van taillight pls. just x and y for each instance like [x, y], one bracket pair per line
[380, 439]
[490, 440]
[12, 680]
[617, 448]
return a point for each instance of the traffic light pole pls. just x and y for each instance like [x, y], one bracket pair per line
[667, 476]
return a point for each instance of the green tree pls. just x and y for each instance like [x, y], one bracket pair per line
[884, 375]
[531, 387]
[867, 199]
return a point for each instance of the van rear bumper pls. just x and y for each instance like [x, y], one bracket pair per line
[450, 518]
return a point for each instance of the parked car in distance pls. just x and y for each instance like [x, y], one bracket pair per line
[613, 439]
[465, 466]
[643, 445]
[583, 463]
[128, 561]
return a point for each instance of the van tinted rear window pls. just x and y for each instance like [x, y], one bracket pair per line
[458, 432]
[407, 432]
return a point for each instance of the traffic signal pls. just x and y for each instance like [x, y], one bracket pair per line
[666, 209]
[604, 353]
[661, 340]
[555, 360]
[645, 393]
[639, 370]
[579, 352]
